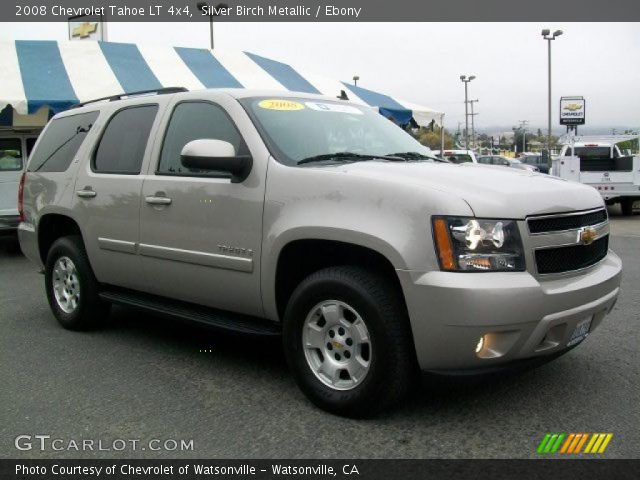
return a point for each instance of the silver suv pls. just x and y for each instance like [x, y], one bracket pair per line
[319, 220]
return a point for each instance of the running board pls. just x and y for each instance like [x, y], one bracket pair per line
[193, 313]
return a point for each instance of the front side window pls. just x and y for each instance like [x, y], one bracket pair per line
[124, 141]
[194, 121]
[10, 154]
[296, 129]
[485, 160]
[60, 142]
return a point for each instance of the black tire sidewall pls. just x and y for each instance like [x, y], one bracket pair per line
[90, 310]
[359, 401]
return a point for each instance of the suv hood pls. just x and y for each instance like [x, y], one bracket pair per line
[490, 191]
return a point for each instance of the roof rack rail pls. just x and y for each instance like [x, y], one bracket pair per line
[113, 98]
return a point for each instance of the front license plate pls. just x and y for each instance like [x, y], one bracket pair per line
[581, 331]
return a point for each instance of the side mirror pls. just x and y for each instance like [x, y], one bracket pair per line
[208, 154]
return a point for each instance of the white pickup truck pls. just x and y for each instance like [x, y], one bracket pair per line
[598, 162]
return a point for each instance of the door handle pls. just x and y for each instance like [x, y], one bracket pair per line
[156, 200]
[86, 192]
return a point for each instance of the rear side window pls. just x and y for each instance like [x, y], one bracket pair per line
[60, 142]
[124, 141]
[195, 121]
[10, 154]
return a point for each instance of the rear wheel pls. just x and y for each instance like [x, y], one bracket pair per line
[72, 289]
[348, 342]
[627, 206]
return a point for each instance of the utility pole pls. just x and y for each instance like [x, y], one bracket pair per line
[466, 81]
[473, 128]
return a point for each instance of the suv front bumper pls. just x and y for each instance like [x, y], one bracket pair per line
[517, 315]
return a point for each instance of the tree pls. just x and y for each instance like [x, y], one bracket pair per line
[430, 137]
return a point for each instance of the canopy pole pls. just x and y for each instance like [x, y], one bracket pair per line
[442, 135]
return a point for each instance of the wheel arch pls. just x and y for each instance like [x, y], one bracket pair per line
[300, 257]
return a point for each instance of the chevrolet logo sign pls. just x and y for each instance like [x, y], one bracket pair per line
[85, 30]
[572, 107]
[587, 235]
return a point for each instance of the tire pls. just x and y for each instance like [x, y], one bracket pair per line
[345, 296]
[67, 261]
[627, 206]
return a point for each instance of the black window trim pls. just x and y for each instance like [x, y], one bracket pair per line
[96, 145]
[196, 175]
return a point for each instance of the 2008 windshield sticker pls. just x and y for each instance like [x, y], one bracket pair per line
[333, 107]
[280, 104]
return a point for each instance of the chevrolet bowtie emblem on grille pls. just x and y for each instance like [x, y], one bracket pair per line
[587, 235]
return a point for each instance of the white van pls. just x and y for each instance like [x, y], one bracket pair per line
[14, 151]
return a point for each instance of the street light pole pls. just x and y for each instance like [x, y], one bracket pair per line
[212, 13]
[466, 81]
[546, 34]
[473, 127]
[355, 80]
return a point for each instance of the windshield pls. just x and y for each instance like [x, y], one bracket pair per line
[532, 160]
[593, 153]
[458, 157]
[296, 129]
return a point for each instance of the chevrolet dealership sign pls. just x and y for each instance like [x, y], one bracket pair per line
[572, 111]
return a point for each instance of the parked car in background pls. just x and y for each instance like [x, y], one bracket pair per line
[506, 162]
[457, 156]
[535, 160]
[14, 151]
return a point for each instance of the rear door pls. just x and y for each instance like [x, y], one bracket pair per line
[200, 234]
[107, 193]
[11, 166]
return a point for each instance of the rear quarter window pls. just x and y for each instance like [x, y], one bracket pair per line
[124, 141]
[60, 142]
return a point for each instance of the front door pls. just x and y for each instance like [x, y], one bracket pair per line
[200, 234]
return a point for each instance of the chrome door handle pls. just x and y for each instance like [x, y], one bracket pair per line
[152, 200]
[86, 193]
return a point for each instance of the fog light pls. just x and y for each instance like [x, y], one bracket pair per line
[480, 344]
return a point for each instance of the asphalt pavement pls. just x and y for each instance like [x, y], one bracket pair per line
[150, 378]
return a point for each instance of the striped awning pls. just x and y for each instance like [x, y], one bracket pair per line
[56, 75]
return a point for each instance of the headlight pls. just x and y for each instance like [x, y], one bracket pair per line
[478, 245]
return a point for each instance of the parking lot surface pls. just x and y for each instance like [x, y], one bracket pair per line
[146, 377]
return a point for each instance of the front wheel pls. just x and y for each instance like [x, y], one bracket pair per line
[347, 341]
[72, 289]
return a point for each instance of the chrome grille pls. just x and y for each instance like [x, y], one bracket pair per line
[572, 257]
[559, 223]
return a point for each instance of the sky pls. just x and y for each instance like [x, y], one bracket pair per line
[422, 62]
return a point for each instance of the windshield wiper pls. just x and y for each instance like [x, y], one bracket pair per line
[352, 156]
[417, 156]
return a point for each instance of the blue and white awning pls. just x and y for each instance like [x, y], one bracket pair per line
[57, 75]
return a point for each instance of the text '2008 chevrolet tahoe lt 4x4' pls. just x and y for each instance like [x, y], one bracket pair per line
[320, 220]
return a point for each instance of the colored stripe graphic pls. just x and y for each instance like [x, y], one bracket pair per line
[207, 68]
[284, 74]
[44, 77]
[573, 443]
[129, 67]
